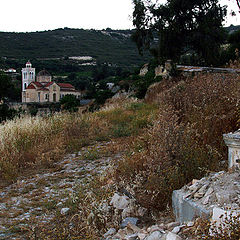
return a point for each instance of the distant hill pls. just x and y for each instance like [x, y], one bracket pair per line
[109, 46]
[232, 28]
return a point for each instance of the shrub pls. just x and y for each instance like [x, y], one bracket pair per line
[185, 141]
[70, 103]
[6, 113]
[141, 84]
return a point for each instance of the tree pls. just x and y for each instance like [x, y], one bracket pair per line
[234, 40]
[7, 113]
[70, 103]
[8, 90]
[5, 86]
[172, 29]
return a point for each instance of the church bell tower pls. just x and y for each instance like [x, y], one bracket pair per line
[28, 76]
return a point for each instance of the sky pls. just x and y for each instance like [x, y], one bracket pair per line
[40, 15]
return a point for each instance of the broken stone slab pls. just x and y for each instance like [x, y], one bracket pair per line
[171, 225]
[202, 191]
[128, 220]
[155, 236]
[172, 236]
[120, 202]
[131, 237]
[155, 228]
[110, 232]
[133, 227]
[186, 210]
[177, 229]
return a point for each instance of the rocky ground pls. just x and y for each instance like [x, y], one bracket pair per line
[220, 189]
[37, 196]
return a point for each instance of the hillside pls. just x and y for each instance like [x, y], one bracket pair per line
[111, 46]
[67, 167]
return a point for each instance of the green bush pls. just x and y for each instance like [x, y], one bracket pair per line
[6, 113]
[141, 84]
[70, 103]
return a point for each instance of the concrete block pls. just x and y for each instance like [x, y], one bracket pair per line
[186, 210]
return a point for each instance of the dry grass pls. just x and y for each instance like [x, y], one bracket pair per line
[185, 141]
[40, 141]
[175, 137]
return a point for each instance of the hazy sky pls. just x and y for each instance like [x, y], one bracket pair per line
[38, 15]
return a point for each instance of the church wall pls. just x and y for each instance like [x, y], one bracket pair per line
[44, 96]
[31, 95]
[54, 89]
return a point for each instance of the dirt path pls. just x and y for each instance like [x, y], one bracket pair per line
[37, 196]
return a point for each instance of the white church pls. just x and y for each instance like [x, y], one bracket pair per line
[41, 88]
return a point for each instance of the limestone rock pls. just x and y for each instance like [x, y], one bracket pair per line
[127, 220]
[64, 211]
[119, 202]
[223, 197]
[209, 191]
[142, 235]
[176, 230]
[154, 228]
[205, 201]
[172, 225]
[141, 211]
[155, 236]
[194, 187]
[110, 232]
[131, 237]
[172, 236]
[126, 212]
[133, 227]
[201, 192]
[190, 224]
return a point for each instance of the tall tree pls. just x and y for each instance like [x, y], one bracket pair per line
[5, 86]
[168, 30]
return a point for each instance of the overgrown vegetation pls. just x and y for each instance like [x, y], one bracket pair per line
[70, 103]
[192, 26]
[175, 137]
[30, 141]
[185, 141]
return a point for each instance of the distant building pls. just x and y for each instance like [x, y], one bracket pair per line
[43, 89]
[11, 70]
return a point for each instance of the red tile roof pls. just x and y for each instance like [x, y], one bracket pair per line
[38, 84]
[31, 86]
[65, 85]
[48, 84]
[43, 89]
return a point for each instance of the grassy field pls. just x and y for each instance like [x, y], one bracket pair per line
[30, 142]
